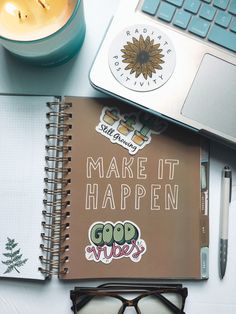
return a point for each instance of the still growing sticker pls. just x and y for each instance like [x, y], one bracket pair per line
[142, 58]
[111, 241]
[132, 131]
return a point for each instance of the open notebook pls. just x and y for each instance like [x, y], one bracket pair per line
[94, 188]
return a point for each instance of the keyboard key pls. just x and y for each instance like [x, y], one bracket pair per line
[207, 12]
[232, 7]
[192, 6]
[222, 37]
[198, 26]
[181, 19]
[223, 19]
[222, 4]
[166, 11]
[177, 3]
[150, 6]
[233, 26]
[207, 1]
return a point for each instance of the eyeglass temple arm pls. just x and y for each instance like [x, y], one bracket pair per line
[140, 285]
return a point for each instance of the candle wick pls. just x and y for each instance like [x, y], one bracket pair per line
[42, 4]
[22, 17]
[45, 6]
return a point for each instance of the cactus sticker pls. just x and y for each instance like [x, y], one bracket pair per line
[126, 125]
[132, 131]
[110, 116]
[140, 137]
[110, 241]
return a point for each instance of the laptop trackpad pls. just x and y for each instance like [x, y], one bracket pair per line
[211, 100]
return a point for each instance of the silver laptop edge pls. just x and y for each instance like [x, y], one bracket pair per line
[167, 100]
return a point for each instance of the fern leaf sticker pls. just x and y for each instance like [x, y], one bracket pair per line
[14, 258]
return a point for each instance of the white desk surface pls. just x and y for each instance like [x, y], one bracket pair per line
[52, 297]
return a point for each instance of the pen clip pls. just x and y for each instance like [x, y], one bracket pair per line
[228, 174]
[230, 189]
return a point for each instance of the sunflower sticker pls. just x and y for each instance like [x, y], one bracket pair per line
[142, 58]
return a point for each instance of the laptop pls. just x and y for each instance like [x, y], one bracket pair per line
[174, 58]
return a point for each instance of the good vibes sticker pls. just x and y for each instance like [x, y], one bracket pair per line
[110, 241]
[142, 58]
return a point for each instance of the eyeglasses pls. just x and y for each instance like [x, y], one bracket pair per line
[129, 298]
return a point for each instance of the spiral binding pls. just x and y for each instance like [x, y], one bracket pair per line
[55, 212]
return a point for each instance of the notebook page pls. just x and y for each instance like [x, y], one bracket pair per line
[22, 162]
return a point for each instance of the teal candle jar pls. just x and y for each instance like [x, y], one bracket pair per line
[53, 48]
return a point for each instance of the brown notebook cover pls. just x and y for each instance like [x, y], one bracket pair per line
[137, 197]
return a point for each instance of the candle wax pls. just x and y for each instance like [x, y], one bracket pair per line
[29, 20]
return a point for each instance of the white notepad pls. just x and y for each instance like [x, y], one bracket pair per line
[22, 162]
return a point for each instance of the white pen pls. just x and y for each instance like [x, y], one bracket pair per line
[225, 202]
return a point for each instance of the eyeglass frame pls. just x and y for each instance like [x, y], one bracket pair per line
[114, 290]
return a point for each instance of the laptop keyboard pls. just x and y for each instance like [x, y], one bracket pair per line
[213, 20]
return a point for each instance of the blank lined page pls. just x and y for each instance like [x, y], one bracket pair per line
[22, 162]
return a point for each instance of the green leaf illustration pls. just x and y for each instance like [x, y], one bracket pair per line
[7, 262]
[17, 258]
[15, 253]
[7, 254]
[14, 258]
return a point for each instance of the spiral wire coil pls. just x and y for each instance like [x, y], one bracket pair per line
[55, 229]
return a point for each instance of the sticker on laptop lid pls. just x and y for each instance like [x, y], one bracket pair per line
[142, 58]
